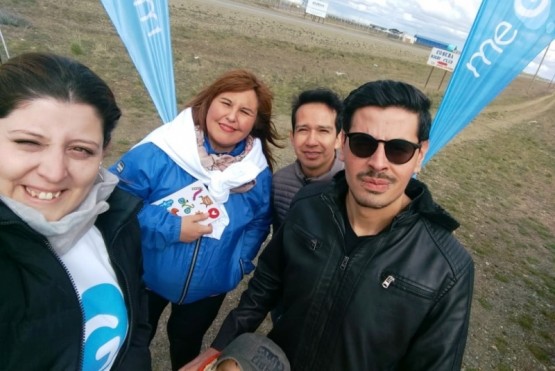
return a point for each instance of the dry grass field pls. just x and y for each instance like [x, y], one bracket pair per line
[497, 177]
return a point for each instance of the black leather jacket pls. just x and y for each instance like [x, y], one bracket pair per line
[398, 301]
[41, 323]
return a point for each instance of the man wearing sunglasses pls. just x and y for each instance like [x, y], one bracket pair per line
[367, 267]
[315, 121]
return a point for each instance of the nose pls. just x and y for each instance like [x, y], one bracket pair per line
[232, 115]
[312, 138]
[378, 160]
[53, 166]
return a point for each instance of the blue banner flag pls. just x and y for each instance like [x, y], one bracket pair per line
[504, 38]
[144, 28]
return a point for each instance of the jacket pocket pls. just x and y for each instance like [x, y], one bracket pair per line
[308, 240]
[394, 281]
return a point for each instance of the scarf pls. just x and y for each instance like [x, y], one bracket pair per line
[178, 139]
[183, 142]
[222, 161]
[64, 233]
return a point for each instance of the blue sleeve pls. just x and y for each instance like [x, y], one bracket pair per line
[259, 228]
[140, 172]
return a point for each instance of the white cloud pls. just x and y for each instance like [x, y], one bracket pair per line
[444, 20]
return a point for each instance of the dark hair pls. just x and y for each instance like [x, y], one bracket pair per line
[318, 95]
[388, 93]
[33, 76]
[238, 81]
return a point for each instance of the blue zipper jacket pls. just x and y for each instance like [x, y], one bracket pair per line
[187, 272]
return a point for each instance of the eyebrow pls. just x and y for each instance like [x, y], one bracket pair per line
[317, 127]
[40, 136]
[21, 131]
[249, 109]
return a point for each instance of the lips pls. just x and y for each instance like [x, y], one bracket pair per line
[311, 155]
[375, 184]
[41, 195]
[376, 181]
[227, 128]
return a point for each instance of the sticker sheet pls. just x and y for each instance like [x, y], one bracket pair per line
[191, 200]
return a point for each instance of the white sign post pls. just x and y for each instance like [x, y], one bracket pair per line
[317, 8]
[443, 59]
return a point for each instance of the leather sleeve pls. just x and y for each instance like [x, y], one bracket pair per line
[261, 295]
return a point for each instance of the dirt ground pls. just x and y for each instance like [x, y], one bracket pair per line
[500, 116]
[513, 316]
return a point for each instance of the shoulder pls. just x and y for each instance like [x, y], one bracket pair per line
[333, 188]
[453, 251]
[144, 156]
[284, 173]
[123, 206]
[141, 149]
[312, 190]
[120, 199]
[264, 180]
[148, 166]
[287, 181]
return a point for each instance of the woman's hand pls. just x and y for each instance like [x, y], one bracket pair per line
[201, 360]
[191, 229]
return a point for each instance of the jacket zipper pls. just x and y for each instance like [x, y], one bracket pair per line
[190, 273]
[346, 258]
[344, 263]
[401, 283]
[51, 249]
[49, 246]
[82, 343]
[388, 281]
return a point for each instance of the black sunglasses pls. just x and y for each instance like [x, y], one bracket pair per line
[397, 151]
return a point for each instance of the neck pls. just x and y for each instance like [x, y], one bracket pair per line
[314, 173]
[367, 221]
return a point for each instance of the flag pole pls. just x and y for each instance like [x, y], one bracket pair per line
[538, 69]
[5, 47]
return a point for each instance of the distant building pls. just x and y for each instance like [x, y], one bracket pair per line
[394, 33]
[426, 41]
[410, 39]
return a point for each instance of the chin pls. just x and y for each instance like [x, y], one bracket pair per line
[52, 217]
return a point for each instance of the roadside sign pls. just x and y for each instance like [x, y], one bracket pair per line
[443, 59]
[317, 8]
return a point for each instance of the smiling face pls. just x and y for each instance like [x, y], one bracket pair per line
[55, 149]
[315, 138]
[230, 119]
[374, 182]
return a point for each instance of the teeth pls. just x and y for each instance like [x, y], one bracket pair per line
[44, 195]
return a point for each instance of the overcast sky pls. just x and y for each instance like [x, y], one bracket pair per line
[444, 20]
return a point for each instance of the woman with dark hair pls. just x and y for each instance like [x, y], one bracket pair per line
[218, 147]
[70, 256]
